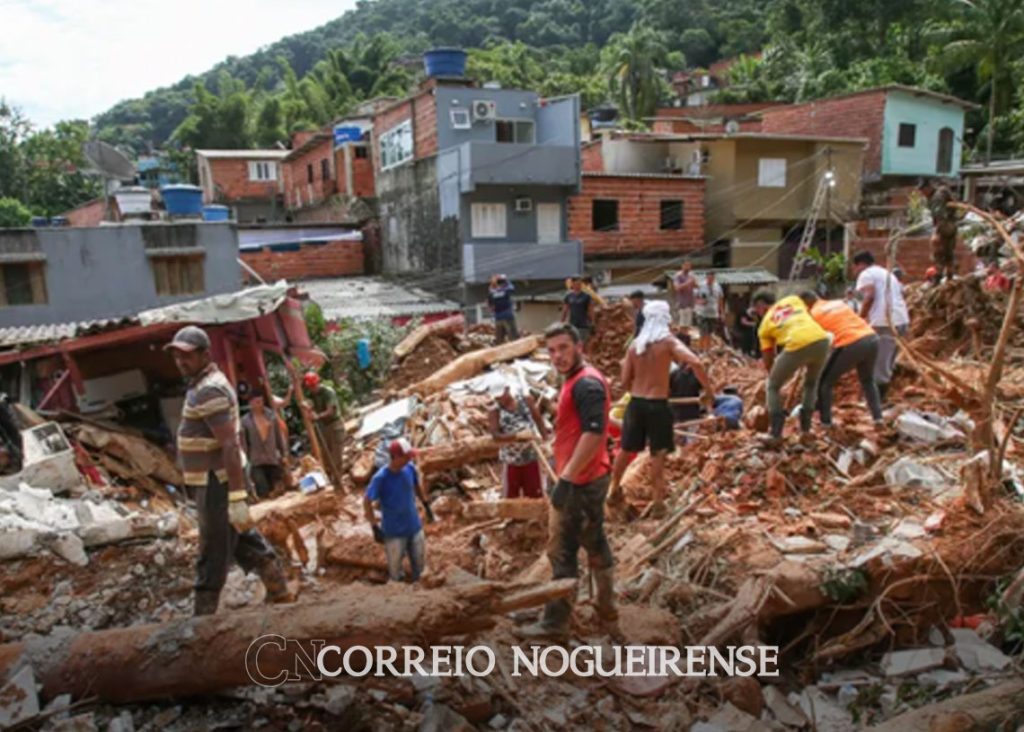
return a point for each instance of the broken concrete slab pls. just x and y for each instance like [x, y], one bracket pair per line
[975, 654]
[18, 698]
[915, 661]
[784, 712]
[823, 711]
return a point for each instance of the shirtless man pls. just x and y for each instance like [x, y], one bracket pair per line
[648, 420]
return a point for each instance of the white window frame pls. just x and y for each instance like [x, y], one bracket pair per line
[262, 171]
[461, 119]
[488, 220]
[516, 122]
[771, 172]
[397, 145]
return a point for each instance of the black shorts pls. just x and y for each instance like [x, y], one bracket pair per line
[648, 422]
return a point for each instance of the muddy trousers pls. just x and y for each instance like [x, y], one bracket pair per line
[331, 437]
[575, 520]
[219, 544]
[787, 364]
[860, 355]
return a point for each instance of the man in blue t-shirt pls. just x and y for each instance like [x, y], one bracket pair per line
[499, 300]
[394, 489]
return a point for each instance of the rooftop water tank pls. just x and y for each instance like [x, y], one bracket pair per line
[445, 62]
[133, 200]
[38, 221]
[215, 212]
[183, 200]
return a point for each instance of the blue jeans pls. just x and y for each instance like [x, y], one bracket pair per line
[396, 548]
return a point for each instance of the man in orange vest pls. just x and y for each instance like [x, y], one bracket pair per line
[577, 499]
[854, 346]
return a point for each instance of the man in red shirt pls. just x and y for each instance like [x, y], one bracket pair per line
[577, 500]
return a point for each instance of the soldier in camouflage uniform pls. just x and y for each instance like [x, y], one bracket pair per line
[945, 220]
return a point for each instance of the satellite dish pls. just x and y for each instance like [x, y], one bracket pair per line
[732, 127]
[108, 161]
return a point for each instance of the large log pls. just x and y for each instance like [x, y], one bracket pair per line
[448, 325]
[471, 364]
[979, 711]
[521, 509]
[203, 655]
[464, 452]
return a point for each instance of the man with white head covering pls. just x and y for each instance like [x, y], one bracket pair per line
[648, 419]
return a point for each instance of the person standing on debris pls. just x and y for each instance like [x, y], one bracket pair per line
[749, 321]
[636, 299]
[499, 300]
[854, 346]
[211, 462]
[513, 415]
[885, 310]
[577, 500]
[394, 489]
[646, 374]
[710, 310]
[578, 309]
[996, 280]
[684, 289]
[788, 327]
[265, 446]
[326, 415]
[945, 221]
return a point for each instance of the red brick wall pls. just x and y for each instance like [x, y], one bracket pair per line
[424, 124]
[858, 115]
[913, 255]
[333, 259]
[88, 214]
[592, 157]
[639, 215]
[231, 181]
[296, 177]
[363, 183]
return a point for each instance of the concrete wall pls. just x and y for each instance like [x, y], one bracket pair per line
[512, 104]
[103, 272]
[930, 116]
[520, 227]
[327, 259]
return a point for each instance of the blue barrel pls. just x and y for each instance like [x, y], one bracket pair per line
[183, 200]
[215, 212]
[363, 352]
[58, 221]
[445, 62]
[38, 221]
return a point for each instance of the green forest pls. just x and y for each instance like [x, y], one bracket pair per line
[617, 51]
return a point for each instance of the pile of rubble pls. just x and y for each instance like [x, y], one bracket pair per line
[957, 318]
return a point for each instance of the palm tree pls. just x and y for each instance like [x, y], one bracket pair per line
[989, 35]
[633, 63]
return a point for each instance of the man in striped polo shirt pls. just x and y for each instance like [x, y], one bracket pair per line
[211, 460]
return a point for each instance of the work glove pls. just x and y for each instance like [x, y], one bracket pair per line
[560, 493]
[238, 512]
[378, 535]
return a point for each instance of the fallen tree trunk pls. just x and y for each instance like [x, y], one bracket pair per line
[464, 452]
[523, 509]
[203, 655]
[982, 710]
[448, 325]
[471, 364]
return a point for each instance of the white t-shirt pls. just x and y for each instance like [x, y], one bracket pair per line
[886, 286]
[708, 299]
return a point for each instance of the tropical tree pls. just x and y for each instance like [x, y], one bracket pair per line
[14, 128]
[988, 35]
[634, 64]
[54, 177]
[13, 213]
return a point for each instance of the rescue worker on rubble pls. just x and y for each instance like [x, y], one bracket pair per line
[945, 220]
[577, 499]
[326, 414]
[854, 346]
[503, 307]
[211, 462]
[265, 446]
[885, 309]
[788, 327]
[578, 308]
[648, 420]
[514, 414]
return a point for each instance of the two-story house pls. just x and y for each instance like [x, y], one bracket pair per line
[70, 275]
[472, 181]
[249, 181]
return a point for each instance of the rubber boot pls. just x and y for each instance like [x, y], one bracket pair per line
[205, 602]
[553, 625]
[276, 584]
[805, 420]
[604, 582]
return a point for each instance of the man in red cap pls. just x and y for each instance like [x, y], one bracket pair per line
[326, 416]
[211, 462]
[394, 489]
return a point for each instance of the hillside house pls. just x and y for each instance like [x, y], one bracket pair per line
[474, 181]
[249, 181]
[710, 118]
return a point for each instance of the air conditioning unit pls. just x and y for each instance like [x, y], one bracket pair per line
[524, 205]
[485, 110]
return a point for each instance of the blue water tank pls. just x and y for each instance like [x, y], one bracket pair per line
[445, 62]
[183, 200]
[363, 352]
[38, 221]
[58, 221]
[216, 212]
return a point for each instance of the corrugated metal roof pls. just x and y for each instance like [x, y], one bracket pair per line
[245, 154]
[372, 297]
[30, 335]
[738, 275]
